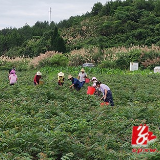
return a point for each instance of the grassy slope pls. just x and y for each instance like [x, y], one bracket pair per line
[50, 121]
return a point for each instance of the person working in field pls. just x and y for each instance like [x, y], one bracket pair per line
[13, 70]
[60, 78]
[75, 83]
[82, 76]
[107, 94]
[12, 77]
[37, 78]
[94, 80]
[97, 91]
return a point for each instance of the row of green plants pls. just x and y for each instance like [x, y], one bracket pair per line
[54, 122]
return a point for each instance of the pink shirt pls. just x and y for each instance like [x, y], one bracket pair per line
[12, 78]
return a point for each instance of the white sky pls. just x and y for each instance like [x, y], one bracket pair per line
[16, 13]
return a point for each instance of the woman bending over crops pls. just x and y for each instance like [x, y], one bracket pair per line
[75, 83]
[107, 94]
[37, 77]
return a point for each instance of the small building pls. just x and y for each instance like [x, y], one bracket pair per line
[157, 69]
[133, 66]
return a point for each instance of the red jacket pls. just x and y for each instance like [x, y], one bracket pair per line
[37, 78]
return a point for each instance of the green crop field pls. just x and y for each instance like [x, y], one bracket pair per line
[52, 122]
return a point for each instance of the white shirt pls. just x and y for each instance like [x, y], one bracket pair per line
[82, 76]
[103, 87]
[94, 83]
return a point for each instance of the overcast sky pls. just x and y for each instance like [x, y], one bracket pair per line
[16, 13]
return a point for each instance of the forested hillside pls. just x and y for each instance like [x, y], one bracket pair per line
[117, 23]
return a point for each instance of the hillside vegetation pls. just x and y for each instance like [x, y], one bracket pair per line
[52, 122]
[117, 23]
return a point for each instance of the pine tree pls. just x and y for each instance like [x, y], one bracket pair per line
[57, 42]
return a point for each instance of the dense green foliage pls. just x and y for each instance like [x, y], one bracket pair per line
[53, 122]
[116, 23]
[54, 61]
[31, 41]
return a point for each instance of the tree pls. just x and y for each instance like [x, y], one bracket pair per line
[57, 42]
[61, 45]
[96, 8]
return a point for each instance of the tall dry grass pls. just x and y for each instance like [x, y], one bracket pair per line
[142, 48]
[35, 61]
[32, 62]
[16, 59]
[85, 55]
[95, 55]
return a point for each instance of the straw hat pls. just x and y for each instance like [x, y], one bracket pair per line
[82, 70]
[61, 74]
[69, 76]
[39, 73]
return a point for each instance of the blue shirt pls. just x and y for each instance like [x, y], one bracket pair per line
[76, 83]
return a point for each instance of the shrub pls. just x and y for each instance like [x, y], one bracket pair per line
[122, 62]
[85, 55]
[107, 64]
[56, 60]
[76, 60]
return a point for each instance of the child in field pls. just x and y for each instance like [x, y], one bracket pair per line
[12, 77]
[60, 78]
[37, 77]
[107, 94]
[82, 76]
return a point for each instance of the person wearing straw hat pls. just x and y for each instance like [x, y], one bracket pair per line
[82, 76]
[60, 78]
[75, 83]
[37, 77]
[107, 94]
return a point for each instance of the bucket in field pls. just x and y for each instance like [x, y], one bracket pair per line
[104, 103]
[41, 82]
[91, 90]
[87, 80]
